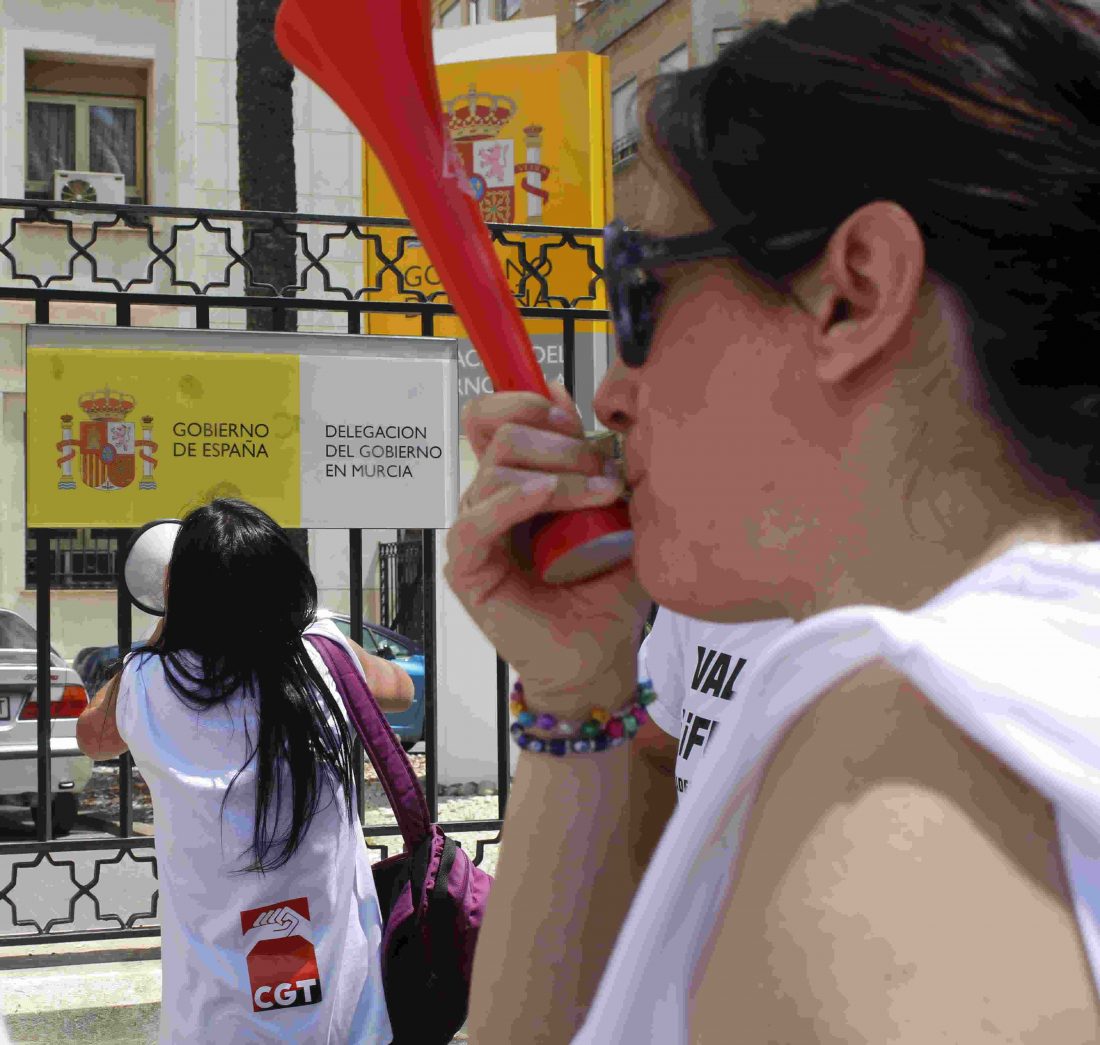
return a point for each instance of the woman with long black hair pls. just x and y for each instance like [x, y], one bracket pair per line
[270, 925]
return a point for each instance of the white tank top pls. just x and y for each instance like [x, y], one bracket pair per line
[1037, 713]
[287, 956]
[696, 668]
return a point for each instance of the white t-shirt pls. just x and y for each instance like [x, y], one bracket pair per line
[1010, 653]
[696, 668]
[291, 955]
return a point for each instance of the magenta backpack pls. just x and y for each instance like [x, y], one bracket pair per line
[432, 896]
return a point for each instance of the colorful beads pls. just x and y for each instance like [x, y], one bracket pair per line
[600, 731]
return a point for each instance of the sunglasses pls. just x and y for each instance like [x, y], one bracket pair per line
[630, 256]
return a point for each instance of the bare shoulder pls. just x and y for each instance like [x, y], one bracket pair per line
[391, 687]
[898, 884]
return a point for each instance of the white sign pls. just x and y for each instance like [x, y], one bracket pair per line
[379, 441]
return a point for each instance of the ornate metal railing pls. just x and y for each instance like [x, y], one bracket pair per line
[212, 264]
[173, 255]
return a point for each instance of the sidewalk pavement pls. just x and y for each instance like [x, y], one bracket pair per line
[96, 993]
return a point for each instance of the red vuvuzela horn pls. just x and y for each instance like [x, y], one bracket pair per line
[374, 59]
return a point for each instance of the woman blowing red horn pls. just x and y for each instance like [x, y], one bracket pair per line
[858, 387]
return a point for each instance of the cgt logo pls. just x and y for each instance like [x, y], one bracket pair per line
[282, 964]
[285, 995]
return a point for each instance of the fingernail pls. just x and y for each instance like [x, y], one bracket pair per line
[602, 484]
[560, 416]
[539, 483]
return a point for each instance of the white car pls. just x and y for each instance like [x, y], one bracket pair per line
[19, 725]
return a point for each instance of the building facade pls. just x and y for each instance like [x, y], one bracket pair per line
[642, 38]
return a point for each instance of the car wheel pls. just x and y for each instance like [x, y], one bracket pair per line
[408, 745]
[63, 811]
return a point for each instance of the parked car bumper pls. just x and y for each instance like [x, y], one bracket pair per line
[69, 770]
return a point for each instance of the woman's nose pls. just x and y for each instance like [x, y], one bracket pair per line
[614, 400]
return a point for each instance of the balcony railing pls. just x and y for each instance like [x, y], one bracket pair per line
[624, 148]
[171, 256]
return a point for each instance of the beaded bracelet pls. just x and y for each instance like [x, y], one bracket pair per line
[601, 730]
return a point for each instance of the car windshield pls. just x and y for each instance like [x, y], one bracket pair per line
[367, 639]
[373, 641]
[17, 634]
[395, 647]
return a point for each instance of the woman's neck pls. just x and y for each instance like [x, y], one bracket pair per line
[914, 552]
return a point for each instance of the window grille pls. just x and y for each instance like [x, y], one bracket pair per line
[78, 559]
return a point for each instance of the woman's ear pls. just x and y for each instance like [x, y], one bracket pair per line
[867, 289]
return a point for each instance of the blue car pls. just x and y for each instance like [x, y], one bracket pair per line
[408, 655]
[91, 662]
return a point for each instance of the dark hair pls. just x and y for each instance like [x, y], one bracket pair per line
[239, 598]
[982, 119]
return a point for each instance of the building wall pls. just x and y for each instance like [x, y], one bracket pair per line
[635, 35]
[708, 16]
[527, 9]
[142, 34]
[777, 10]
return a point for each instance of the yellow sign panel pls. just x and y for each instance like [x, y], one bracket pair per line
[320, 431]
[174, 426]
[535, 136]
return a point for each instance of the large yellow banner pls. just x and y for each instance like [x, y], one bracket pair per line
[535, 136]
[320, 431]
[173, 427]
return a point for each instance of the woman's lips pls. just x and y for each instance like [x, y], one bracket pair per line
[632, 482]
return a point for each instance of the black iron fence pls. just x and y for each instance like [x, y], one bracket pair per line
[401, 587]
[128, 258]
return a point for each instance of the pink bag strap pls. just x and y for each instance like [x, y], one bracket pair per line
[394, 769]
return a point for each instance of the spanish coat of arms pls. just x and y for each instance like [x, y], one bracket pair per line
[476, 121]
[109, 445]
